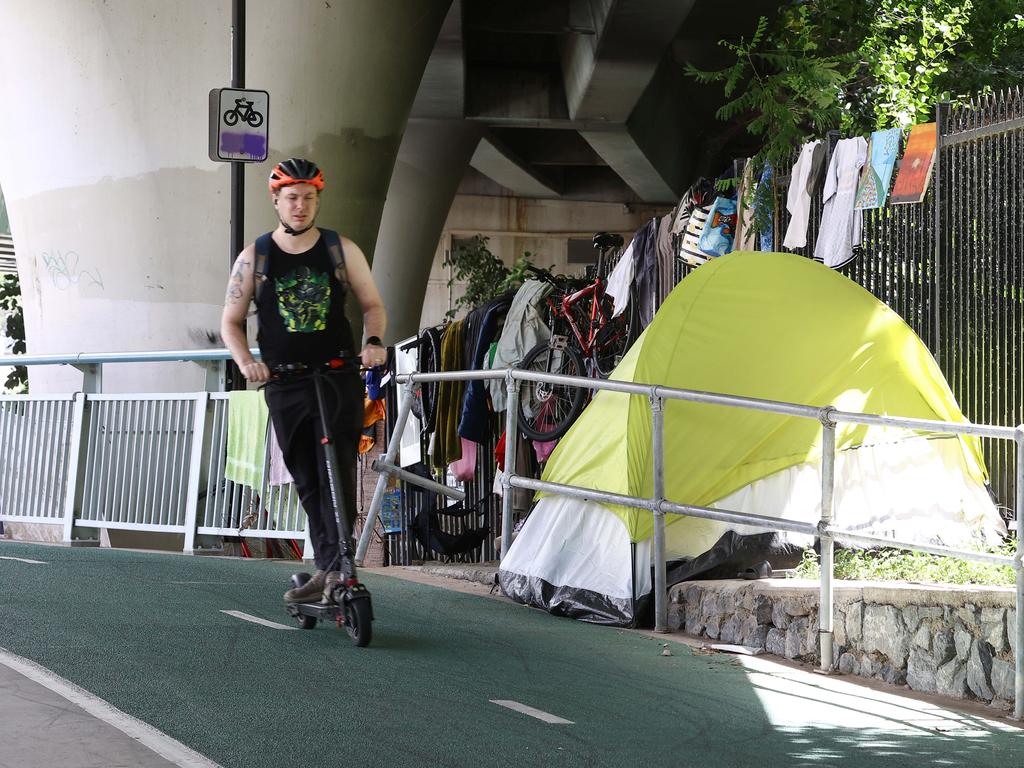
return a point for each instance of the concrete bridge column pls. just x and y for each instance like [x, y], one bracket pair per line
[121, 219]
[431, 162]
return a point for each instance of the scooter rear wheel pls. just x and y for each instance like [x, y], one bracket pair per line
[305, 622]
[358, 622]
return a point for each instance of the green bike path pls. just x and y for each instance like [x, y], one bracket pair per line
[147, 633]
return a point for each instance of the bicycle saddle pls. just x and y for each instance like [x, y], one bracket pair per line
[606, 240]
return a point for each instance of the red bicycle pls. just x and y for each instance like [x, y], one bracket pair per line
[585, 341]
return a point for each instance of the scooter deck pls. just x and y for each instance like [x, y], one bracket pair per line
[320, 610]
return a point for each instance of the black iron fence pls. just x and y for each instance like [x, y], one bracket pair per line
[953, 265]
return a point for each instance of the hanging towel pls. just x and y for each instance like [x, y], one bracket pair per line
[720, 229]
[619, 282]
[798, 199]
[247, 438]
[279, 474]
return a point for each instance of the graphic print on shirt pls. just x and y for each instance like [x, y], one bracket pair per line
[303, 299]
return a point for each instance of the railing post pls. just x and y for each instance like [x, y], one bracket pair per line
[76, 464]
[511, 437]
[828, 460]
[394, 444]
[195, 468]
[658, 452]
[92, 377]
[1018, 564]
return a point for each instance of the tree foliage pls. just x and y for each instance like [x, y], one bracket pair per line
[821, 65]
[14, 329]
[485, 275]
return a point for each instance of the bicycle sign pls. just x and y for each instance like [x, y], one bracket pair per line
[238, 125]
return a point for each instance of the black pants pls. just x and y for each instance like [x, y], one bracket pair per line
[293, 411]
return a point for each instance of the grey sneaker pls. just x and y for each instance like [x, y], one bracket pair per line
[308, 592]
[330, 582]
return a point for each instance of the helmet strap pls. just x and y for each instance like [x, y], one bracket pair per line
[296, 232]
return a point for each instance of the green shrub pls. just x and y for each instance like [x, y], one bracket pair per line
[901, 565]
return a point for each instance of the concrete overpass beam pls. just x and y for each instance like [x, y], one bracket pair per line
[431, 163]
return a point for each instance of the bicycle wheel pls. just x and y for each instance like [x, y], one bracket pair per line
[546, 411]
[230, 117]
[254, 118]
[429, 362]
[615, 338]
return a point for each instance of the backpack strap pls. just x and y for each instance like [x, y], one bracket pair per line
[262, 261]
[331, 239]
[333, 242]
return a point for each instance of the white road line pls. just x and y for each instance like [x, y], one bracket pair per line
[144, 733]
[545, 716]
[23, 560]
[257, 620]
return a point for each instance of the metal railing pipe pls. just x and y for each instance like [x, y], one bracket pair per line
[658, 456]
[1018, 654]
[382, 479]
[826, 542]
[721, 515]
[386, 468]
[868, 540]
[511, 437]
[924, 425]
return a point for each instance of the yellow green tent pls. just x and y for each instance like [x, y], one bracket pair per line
[766, 325]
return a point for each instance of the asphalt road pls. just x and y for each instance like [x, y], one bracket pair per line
[147, 633]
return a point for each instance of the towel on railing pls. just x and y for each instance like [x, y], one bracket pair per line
[247, 438]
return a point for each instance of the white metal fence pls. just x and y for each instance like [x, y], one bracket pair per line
[140, 462]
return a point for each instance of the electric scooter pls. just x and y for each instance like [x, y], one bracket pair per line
[349, 604]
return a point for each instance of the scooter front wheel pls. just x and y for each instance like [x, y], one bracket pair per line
[359, 621]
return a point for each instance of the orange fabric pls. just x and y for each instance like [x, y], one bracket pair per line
[373, 411]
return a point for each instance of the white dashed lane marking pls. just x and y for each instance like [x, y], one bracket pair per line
[257, 620]
[547, 717]
[23, 560]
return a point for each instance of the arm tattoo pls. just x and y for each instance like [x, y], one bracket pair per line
[234, 294]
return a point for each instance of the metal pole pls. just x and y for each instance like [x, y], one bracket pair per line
[941, 112]
[511, 436]
[237, 168]
[658, 450]
[394, 443]
[233, 376]
[828, 459]
[1018, 651]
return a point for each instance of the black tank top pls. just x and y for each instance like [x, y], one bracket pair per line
[301, 310]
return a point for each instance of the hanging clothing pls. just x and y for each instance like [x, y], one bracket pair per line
[524, 329]
[645, 270]
[473, 421]
[874, 182]
[763, 196]
[247, 438]
[447, 446]
[798, 198]
[620, 280]
[840, 224]
[666, 259]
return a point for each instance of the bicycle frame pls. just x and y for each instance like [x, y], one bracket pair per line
[595, 314]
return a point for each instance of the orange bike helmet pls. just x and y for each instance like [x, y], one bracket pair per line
[296, 171]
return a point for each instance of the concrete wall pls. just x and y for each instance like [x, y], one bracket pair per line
[516, 225]
[951, 640]
[120, 217]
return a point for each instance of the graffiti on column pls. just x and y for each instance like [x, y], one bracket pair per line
[65, 271]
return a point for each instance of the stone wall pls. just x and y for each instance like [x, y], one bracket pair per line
[955, 641]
